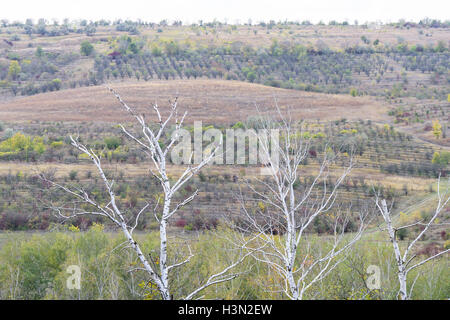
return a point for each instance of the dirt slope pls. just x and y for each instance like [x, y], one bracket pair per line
[212, 101]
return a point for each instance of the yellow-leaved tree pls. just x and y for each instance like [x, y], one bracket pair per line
[437, 129]
[14, 69]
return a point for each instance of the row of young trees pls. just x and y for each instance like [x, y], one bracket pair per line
[296, 67]
[282, 65]
[273, 234]
[381, 148]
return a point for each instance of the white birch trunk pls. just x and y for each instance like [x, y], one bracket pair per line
[403, 260]
[152, 148]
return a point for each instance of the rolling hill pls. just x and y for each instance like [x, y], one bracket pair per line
[212, 101]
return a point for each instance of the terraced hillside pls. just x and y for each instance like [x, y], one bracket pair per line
[394, 163]
[389, 60]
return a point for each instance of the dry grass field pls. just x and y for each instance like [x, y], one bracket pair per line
[211, 101]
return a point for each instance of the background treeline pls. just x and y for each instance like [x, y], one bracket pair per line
[40, 26]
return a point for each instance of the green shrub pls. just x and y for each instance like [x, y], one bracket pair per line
[112, 143]
[86, 48]
[73, 175]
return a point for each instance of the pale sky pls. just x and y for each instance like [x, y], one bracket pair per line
[230, 10]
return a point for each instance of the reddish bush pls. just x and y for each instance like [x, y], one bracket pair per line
[181, 223]
[430, 249]
[12, 220]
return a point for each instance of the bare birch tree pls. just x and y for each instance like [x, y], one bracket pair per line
[290, 207]
[158, 268]
[405, 259]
